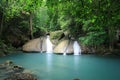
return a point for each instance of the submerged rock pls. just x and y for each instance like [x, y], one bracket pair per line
[6, 64]
[17, 68]
[76, 79]
[9, 67]
[11, 71]
[21, 76]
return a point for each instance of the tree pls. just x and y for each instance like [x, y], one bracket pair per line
[94, 22]
[41, 17]
[31, 6]
[9, 8]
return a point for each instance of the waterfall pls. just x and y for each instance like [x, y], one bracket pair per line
[49, 46]
[77, 49]
[64, 53]
[65, 49]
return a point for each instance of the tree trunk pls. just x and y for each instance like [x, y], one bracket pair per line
[111, 38]
[31, 31]
[1, 26]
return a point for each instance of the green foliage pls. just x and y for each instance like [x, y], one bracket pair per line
[31, 5]
[6, 48]
[10, 8]
[93, 22]
[95, 34]
[53, 12]
[64, 22]
[93, 38]
[40, 19]
[1, 43]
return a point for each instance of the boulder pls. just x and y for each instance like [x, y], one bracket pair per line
[21, 76]
[70, 47]
[9, 67]
[65, 46]
[2, 53]
[56, 36]
[6, 64]
[11, 71]
[60, 48]
[37, 45]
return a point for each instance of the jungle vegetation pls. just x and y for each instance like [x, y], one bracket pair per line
[93, 22]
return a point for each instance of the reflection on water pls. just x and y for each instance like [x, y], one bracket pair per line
[76, 62]
[49, 61]
[59, 67]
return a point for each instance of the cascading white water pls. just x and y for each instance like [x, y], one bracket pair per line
[49, 46]
[64, 53]
[77, 49]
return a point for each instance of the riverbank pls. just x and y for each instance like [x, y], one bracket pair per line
[7, 50]
[11, 71]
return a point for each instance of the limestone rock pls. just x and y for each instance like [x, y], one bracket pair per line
[37, 45]
[60, 48]
[65, 46]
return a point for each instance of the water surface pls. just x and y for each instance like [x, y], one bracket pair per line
[58, 67]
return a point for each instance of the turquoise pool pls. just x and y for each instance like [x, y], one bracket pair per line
[49, 66]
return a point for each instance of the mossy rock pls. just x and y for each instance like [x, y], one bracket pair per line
[2, 53]
[56, 34]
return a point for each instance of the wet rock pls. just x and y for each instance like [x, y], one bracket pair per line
[21, 76]
[9, 67]
[28, 71]
[6, 64]
[14, 69]
[2, 53]
[17, 68]
[11, 71]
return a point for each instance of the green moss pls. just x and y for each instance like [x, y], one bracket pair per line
[56, 34]
[6, 48]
